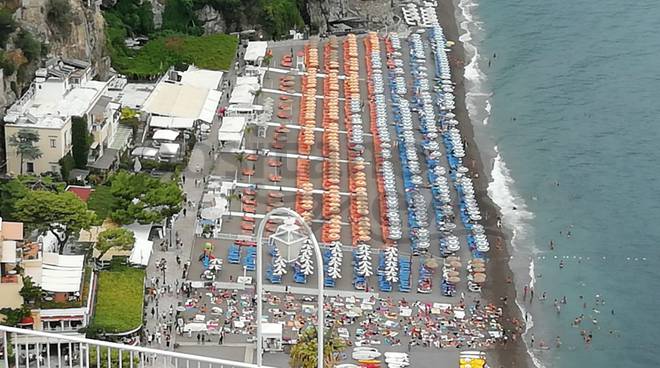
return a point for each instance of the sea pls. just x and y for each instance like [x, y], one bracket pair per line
[565, 99]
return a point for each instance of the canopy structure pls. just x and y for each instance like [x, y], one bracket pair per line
[256, 50]
[148, 152]
[201, 78]
[244, 90]
[179, 100]
[165, 135]
[142, 248]
[231, 131]
[169, 149]
[272, 336]
[167, 122]
[61, 273]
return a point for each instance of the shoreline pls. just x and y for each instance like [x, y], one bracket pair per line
[513, 353]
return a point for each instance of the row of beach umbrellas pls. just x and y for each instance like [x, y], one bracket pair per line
[359, 204]
[391, 222]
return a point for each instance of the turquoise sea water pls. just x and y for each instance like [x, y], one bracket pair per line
[576, 102]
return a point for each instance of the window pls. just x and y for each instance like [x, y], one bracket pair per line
[30, 167]
[53, 143]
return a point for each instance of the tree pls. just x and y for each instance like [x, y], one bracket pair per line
[116, 237]
[143, 198]
[63, 214]
[7, 26]
[303, 353]
[80, 141]
[240, 158]
[23, 142]
[30, 46]
[10, 192]
[30, 292]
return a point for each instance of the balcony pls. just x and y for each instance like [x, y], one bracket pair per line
[89, 353]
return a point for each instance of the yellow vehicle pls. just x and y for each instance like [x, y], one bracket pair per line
[472, 359]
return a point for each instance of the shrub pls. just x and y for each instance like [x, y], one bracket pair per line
[80, 141]
[58, 13]
[30, 46]
[7, 26]
[8, 67]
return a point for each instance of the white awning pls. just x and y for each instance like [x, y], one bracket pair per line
[8, 251]
[243, 94]
[201, 78]
[169, 149]
[165, 135]
[145, 152]
[271, 330]
[143, 246]
[61, 273]
[171, 123]
[255, 50]
[210, 106]
[231, 129]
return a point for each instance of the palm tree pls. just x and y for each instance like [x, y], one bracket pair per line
[303, 354]
[240, 158]
[24, 142]
[249, 128]
[231, 196]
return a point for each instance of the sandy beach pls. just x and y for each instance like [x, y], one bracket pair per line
[499, 284]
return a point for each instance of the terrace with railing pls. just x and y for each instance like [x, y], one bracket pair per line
[27, 348]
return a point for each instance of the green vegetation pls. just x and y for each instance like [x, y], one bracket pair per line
[80, 141]
[303, 354]
[214, 52]
[115, 237]
[114, 358]
[279, 16]
[143, 198]
[179, 16]
[7, 26]
[30, 292]
[119, 300]
[58, 13]
[23, 142]
[10, 192]
[63, 214]
[13, 316]
[135, 16]
[32, 49]
[8, 66]
[102, 202]
[67, 163]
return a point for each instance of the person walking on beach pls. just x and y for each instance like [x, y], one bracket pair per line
[525, 292]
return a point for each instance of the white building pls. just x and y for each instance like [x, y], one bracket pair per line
[60, 91]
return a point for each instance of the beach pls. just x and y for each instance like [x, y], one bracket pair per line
[500, 283]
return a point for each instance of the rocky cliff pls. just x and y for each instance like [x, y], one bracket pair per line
[84, 39]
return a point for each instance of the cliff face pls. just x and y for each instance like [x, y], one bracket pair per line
[84, 40]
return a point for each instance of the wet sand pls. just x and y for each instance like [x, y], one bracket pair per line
[514, 353]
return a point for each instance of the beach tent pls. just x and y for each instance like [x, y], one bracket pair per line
[169, 149]
[255, 52]
[272, 336]
[165, 135]
[147, 152]
[143, 246]
[231, 131]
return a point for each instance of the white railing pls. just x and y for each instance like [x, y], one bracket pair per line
[23, 348]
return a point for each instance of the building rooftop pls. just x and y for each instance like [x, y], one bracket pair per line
[11, 230]
[51, 104]
[81, 192]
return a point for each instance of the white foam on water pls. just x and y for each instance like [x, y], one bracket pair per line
[476, 97]
[516, 218]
